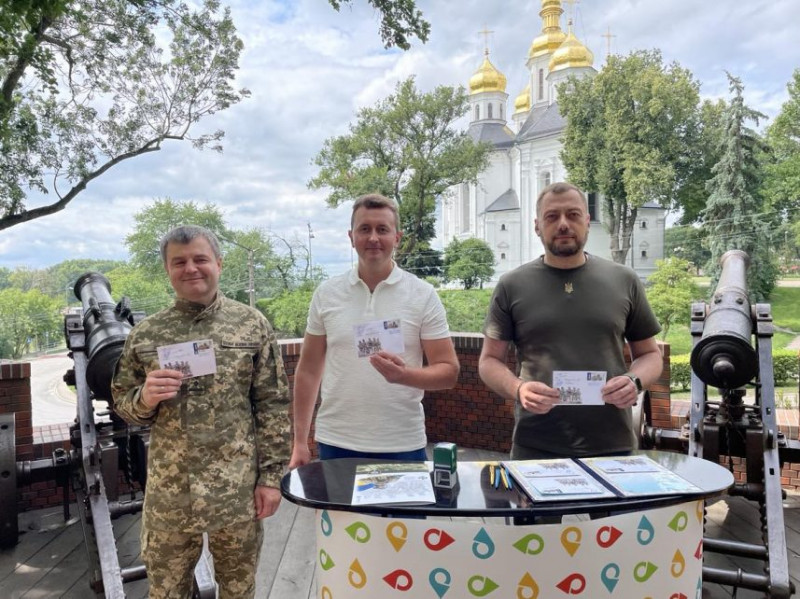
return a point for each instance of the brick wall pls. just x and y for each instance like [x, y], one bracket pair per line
[469, 415]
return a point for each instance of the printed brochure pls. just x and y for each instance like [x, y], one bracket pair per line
[407, 483]
[555, 480]
[638, 475]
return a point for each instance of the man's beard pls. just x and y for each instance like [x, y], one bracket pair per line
[567, 250]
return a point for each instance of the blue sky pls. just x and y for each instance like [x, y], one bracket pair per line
[310, 69]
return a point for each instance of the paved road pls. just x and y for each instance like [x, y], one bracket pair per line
[52, 401]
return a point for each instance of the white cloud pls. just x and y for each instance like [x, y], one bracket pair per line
[310, 69]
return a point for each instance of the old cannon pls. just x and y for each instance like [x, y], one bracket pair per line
[732, 351]
[106, 463]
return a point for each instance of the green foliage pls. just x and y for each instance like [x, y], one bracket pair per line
[156, 220]
[425, 262]
[671, 291]
[466, 310]
[400, 19]
[405, 148]
[785, 367]
[470, 261]
[733, 212]
[628, 136]
[24, 316]
[288, 311]
[687, 242]
[782, 183]
[680, 373]
[148, 294]
[87, 85]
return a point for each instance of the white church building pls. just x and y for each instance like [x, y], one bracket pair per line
[501, 208]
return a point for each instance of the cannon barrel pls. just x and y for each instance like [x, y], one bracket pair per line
[725, 357]
[107, 325]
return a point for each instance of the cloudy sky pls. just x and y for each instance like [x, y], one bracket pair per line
[310, 69]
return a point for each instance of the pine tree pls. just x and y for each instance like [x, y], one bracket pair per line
[733, 213]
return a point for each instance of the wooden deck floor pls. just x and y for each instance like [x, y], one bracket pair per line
[51, 561]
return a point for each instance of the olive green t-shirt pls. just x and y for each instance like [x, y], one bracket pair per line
[571, 319]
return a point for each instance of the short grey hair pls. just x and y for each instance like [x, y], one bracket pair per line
[186, 234]
[557, 189]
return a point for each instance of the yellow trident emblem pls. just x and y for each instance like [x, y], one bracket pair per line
[568, 287]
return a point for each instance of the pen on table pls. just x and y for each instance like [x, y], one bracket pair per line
[505, 478]
[509, 482]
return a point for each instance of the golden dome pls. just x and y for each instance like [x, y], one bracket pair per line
[571, 54]
[523, 101]
[487, 78]
[552, 36]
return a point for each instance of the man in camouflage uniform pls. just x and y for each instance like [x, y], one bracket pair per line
[218, 442]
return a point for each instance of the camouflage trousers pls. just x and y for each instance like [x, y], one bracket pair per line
[170, 558]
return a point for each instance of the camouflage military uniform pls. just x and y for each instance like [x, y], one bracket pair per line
[222, 434]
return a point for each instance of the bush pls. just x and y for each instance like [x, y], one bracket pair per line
[785, 366]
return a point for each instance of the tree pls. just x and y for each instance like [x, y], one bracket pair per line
[288, 311]
[399, 20]
[782, 181]
[146, 293]
[156, 220]
[733, 215]
[405, 148]
[627, 134]
[88, 85]
[25, 316]
[689, 243]
[671, 291]
[470, 261]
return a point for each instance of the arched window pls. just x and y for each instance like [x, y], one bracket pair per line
[489, 115]
[501, 111]
[644, 254]
[465, 214]
[477, 113]
[502, 256]
[544, 180]
[643, 224]
[502, 227]
[541, 84]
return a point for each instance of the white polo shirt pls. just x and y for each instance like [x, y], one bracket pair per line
[360, 410]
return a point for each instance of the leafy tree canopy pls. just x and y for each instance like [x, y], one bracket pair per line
[782, 183]
[87, 84]
[627, 134]
[400, 20]
[25, 315]
[671, 291]
[404, 147]
[687, 242]
[733, 215]
[470, 261]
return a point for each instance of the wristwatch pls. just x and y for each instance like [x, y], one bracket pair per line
[636, 381]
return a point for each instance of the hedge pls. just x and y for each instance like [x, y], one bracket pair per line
[784, 363]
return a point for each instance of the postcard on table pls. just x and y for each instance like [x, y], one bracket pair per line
[556, 480]
[579, 387]
[638, 475]
[379, 335]
[406, 483]
[192, 358]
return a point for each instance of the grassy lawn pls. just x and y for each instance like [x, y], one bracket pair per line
[785, 303]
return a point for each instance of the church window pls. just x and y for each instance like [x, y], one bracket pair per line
[489, 115]
[501, 111]
[591, 199]
[644, 254]
[477, 113]
[545, 179]
[502, 256]
[502, 227]
[643, 224]
[541, 84]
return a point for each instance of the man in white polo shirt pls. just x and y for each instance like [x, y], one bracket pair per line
[367, 332]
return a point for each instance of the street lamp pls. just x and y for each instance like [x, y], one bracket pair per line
[310, 237]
